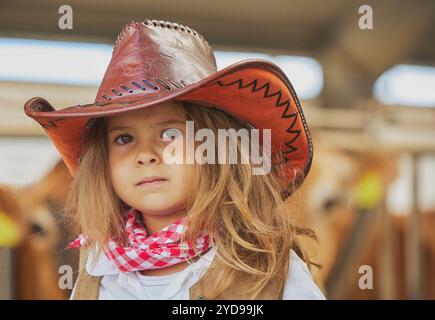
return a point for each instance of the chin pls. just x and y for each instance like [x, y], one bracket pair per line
[157, 211]
[161, 207]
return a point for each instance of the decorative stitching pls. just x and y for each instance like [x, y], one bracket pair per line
[116, 92]
[150, 84]
[175, 84]
[278, 104]
[159, 24]
[298, 106]
[138, 85]
[125, 88]
[284, 78]
[164, 84]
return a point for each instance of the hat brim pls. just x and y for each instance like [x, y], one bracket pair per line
[256, 91]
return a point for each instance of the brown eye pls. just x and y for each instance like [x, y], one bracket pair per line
[124, 138]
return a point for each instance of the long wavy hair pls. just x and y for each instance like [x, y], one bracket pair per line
[250, 221]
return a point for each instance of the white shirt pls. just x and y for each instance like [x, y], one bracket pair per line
[175, 286]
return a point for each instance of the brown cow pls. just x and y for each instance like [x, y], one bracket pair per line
[37, 210]
[329, 206]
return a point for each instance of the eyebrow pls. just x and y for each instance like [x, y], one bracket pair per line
[157, 124]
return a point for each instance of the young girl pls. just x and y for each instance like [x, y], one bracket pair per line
[154, 229]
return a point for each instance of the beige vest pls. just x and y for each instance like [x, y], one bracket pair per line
[87, 287]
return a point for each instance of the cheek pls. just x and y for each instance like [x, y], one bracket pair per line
[117, 170]
[180, 175]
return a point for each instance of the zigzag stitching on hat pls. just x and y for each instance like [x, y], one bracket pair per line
[278, 104]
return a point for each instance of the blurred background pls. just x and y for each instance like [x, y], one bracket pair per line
[367, 89]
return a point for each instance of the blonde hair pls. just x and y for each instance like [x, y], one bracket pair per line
[247, 217]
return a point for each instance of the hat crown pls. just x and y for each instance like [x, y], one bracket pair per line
[152, 55]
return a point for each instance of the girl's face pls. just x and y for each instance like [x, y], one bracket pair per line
[135, 147]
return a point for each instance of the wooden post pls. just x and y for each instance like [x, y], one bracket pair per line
[346, 262]
[414, 256]
[386, 255]
[5, 274]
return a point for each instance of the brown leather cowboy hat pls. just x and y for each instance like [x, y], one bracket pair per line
[157, 61]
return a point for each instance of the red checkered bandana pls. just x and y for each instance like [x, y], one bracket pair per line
[162, 249]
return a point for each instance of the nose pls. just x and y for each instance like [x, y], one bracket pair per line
[147, 155]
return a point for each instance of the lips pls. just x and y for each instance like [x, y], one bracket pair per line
[150, 180]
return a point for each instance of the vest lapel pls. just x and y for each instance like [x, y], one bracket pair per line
[237, 290]
[87, 287]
